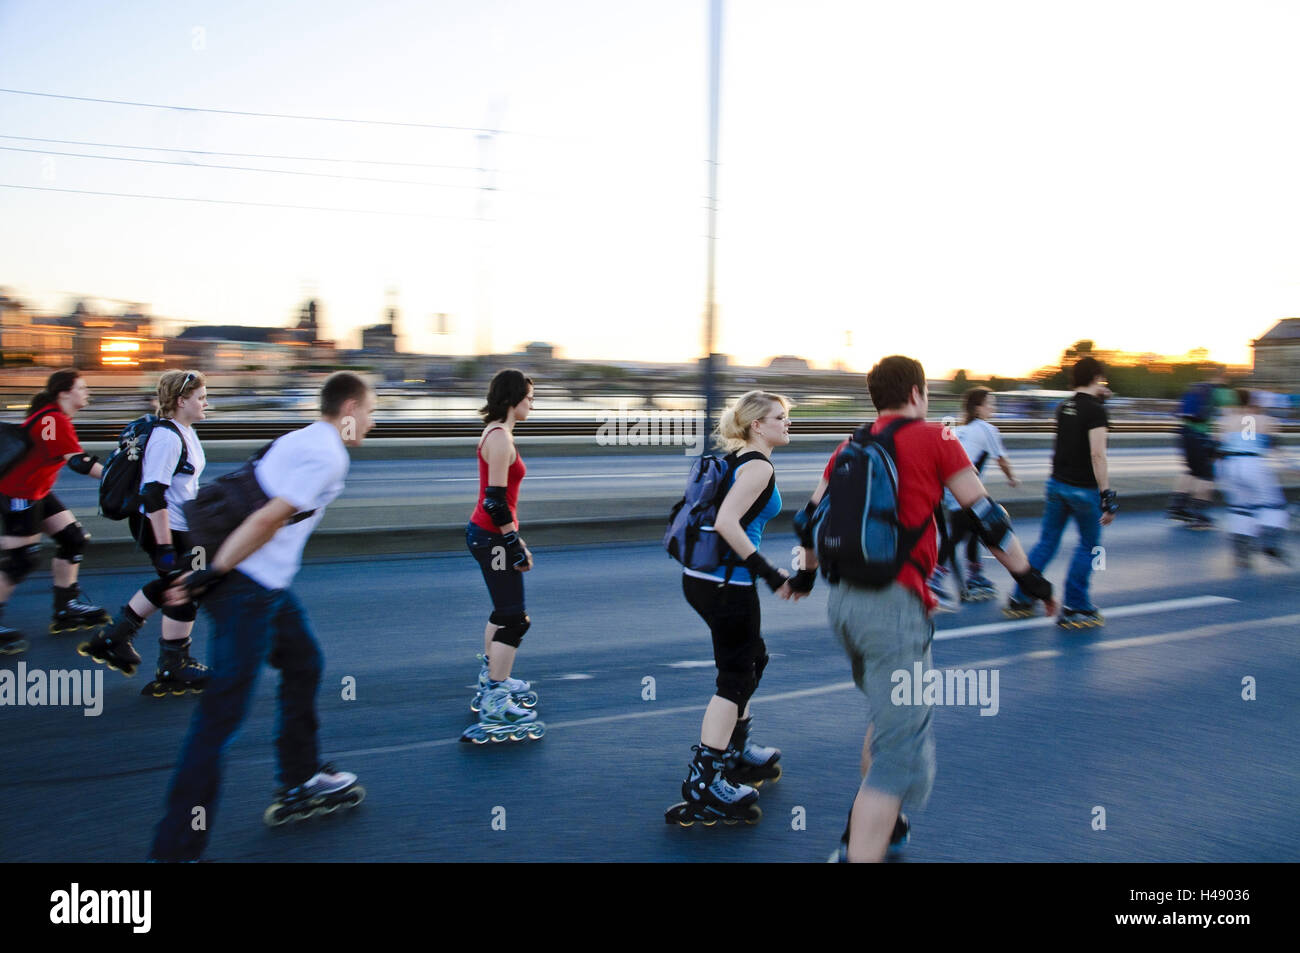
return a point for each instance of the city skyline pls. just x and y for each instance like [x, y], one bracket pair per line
[964, 185]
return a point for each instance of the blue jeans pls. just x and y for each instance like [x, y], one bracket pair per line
[1084, 505]
[252, 625]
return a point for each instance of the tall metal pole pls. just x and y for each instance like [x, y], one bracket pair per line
[715, 71]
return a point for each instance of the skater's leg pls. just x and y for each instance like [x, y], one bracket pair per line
[735, 622]
[719, 723]
[296, 653]
[18, 558]
[240, 611]
[66, 562]
[1055, 515]
[874, 815]
[1085, 508]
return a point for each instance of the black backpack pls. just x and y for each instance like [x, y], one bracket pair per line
[859, 536]
[16, 441]
[227, 501]
[690, 537]
[119, 486]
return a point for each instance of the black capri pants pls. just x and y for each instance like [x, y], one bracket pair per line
[733, 616]
[505, 584]
[24, 517]
[156, 590]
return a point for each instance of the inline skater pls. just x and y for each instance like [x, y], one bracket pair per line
[1194, 489]
[1078, 488]
[257, 618]
[1257, 507]
[170, 471]
[728, 766]
[504, 704]
[28, 508]
[887, 628]
[982, 442]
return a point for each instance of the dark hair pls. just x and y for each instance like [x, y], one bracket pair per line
[60, 382]
[1243, 397]
[1086, 370]
[508, 388]
[973, 400]
[338, 389]
[891, 381]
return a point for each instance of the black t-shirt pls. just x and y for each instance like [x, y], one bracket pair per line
[1072, 455]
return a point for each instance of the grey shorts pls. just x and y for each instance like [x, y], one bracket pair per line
[885, 631]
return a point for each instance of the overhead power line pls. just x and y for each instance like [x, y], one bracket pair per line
[237, 168]
[184, 198]
[240, 112]
[242, 155]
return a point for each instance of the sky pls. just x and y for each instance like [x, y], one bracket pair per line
[977, 185]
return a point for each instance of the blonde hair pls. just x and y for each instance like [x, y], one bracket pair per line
[175, 385]
[733, 429]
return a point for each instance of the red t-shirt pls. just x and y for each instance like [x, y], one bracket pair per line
[514, 476]
[926, 460]
[53, 438]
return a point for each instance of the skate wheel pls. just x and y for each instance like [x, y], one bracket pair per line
[711, 822]
[84, 650]
[536, 731]
[519, 734]
[731, 821]
[755, 815]
[272, 816]
[528, 700]
[355, 796]
[497, 739]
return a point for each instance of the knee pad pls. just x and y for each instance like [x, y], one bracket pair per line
[155, 591]
[737, 686]
[186, 613]
[18, 563]
[513, 626]
[71, 542]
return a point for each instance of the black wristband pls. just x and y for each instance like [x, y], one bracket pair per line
[164, 558]
[1033, 584]
[1109, 501]
[803, 525]
[757, 564]
[82, 463]
[802, 581]
[516, 551]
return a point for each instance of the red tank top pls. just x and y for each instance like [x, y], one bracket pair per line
[514, 476]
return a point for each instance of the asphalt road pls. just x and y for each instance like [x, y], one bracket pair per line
[1144, 718]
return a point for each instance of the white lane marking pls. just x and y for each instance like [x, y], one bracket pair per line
[690, 664]
[575, 677]
[1118, 612]
[1205, 631]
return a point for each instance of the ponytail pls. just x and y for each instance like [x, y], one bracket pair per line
[60, 382]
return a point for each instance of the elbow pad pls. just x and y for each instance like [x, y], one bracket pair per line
[82, 463]
[803, 525]
[154, 496]
[494, 504]
[990, 523]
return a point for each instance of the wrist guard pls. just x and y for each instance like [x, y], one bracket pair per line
[1033, 584]
[516, 552]
[82, 463]
[164, 558]
[1109, 501]
[758, 565]
[802, 581]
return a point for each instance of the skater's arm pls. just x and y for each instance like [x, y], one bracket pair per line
[968, 489]
[252, 534]
[1100, 466]
[497, 451]
[751, 479]
[162, 527]
[1005, 464]
[808, 554]
[85, 464]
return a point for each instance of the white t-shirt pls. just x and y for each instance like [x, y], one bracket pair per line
[307, 468]
[982, 443]
[161, 454]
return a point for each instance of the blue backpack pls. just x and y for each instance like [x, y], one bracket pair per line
[1196, 403]
[857, 532]
[690, 537]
